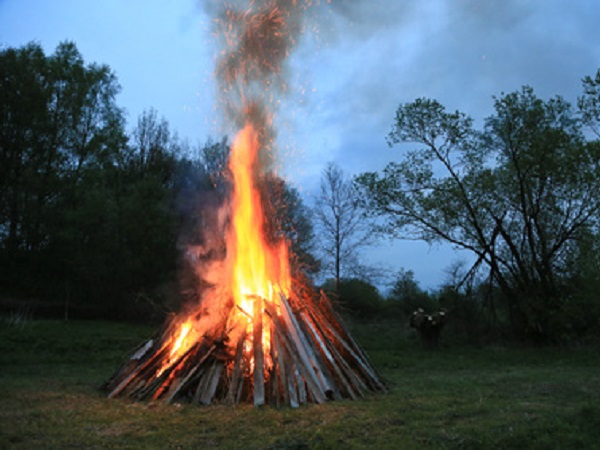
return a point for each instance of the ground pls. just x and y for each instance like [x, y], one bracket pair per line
[452, 397]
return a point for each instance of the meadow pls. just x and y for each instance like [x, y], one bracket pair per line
[458, 396]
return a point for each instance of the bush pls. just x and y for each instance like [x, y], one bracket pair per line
[359, 298]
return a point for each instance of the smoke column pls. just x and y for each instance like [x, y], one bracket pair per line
[255, 39]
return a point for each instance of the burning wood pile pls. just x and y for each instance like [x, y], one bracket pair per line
[307, 356]
[258, 334]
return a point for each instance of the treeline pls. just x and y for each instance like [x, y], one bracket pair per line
[95, 219]
[86, 210]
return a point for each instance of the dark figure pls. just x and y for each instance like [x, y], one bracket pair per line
[428, 326]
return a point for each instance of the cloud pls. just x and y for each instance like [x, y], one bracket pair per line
[372, 56]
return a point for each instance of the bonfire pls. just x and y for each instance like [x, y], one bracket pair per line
[260, 333]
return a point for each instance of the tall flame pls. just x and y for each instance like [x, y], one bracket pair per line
[257, 269]
[257, 41]
[252, 330]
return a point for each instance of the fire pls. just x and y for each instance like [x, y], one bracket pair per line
[181, 339]
[178, 346]
[259, 272]
[257, 269]
[252, 335]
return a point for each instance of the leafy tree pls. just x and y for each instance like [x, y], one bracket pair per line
[517, 195]
[406, 287]
[154, 147]
[589, 103]
[214, 156]
[289, 219]
[60, 120]
[358, 297]
[84, 214]
[342, 227]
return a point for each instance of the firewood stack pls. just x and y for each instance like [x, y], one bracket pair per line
[310, 357]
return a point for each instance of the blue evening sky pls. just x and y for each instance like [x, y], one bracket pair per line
[357, 62]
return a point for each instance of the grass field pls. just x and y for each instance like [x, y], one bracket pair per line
[455, 397]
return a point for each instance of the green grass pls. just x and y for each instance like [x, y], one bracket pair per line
[456, 397]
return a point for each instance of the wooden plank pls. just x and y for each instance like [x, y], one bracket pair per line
[327, 346]
[173, 391]
[274, 382]
[288, 386]
[259, 356]
[366, 363]
[365, 366]
[137, 371]
[323, 356]
[236, 376]
[213, 382]
[301, 366]
[203, 382]
[301, 385]
[296, 335]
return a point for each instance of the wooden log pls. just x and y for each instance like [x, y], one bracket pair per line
[177, 387]
[213, 382]
[288, 385]
[259, 356]
[302, 365]
[236, 375]
[296, 335]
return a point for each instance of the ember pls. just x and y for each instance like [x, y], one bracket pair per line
[260, 336]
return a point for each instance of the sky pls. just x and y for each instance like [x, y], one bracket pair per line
[356, 63]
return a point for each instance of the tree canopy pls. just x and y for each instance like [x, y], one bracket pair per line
[520, 194]
[85, 211]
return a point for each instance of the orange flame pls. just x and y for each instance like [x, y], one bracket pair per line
[258, 40]
[257, 269]
[179, 345]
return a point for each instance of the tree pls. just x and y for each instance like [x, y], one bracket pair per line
[289, 219]
[517, 195]
[360, 298]
[59, 122]
[342, 228]
[589, 103]
[214, 156]
[85, 212]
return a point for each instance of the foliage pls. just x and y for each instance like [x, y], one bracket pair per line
[356, 297]
[518, 195]
[589, 103]
[85, 213]
[407, 295]
[290, 219]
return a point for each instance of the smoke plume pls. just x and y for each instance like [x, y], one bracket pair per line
[255, 38]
